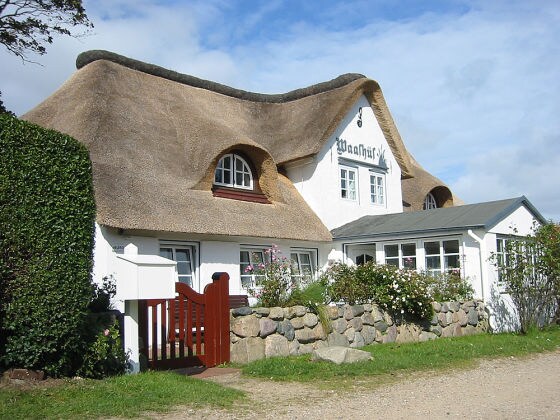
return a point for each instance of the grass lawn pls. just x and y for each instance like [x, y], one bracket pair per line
[389, 359]
[157, 392]
[123, 396]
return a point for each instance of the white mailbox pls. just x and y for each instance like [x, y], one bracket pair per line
[145, 277]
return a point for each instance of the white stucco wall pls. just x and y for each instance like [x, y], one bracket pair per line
[210, 255]
[318, 180]
[519, 222]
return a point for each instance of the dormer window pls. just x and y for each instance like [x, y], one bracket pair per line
[233, 171]
[236, 177]
[430, 202]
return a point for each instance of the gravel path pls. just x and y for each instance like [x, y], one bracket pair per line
[513, 388]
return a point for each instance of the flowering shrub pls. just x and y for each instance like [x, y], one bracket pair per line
[273, 279]
[403, 292]
[450, 286]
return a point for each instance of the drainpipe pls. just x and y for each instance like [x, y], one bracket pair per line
[481, 248]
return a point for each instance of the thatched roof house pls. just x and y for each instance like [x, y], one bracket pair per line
[155, 137]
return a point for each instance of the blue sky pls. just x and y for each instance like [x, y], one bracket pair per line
[473, 86]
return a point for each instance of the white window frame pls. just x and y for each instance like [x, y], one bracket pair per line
[249, 280]
[237, 166]
[345, 182]
[192, 248]
[442, 256]
[298, 273]
[430, 202]
[401, 258]
[377, 189]
[501, 257]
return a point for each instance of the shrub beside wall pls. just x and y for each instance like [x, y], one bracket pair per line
[257, 333]
[47, 215]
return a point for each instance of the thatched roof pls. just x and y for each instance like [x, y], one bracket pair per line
[155, 137]
[414, 190]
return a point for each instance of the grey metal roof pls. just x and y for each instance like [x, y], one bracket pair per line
[470, 216]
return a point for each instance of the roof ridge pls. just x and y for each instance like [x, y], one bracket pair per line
[88, 57]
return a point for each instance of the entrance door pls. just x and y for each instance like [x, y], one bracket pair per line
[361, 254]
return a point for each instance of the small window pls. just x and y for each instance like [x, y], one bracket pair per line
[442, 256]
[504, 250]
[233, 171]
[401, 255]
[302, 266]
[348, 183]
[377, 189]
[184, 258]
[430, 202]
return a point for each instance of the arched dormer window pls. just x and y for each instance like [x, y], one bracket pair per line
[430, 202]
[236, 177]
[233, 171]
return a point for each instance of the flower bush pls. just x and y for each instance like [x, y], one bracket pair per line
[450, 286]
[400, 292]
[273, 280]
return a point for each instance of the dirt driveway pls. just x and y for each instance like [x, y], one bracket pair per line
[513, 388]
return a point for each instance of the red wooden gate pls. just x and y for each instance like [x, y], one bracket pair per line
[190, 330]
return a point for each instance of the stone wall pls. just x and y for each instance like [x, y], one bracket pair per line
[257, 333]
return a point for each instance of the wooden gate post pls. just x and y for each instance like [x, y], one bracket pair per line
[223, 341]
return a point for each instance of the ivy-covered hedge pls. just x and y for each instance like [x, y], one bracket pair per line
[47, 214]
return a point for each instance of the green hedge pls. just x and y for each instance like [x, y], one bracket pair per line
[47, 214]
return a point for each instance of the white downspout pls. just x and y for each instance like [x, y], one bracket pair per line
[482, 251]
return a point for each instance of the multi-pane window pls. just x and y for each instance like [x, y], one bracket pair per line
[504, 250]
[377, 189]
[248, 260]
[302, 266]
[401, 255]
[184, 258]
[348, 183]
[442, 256]
[430, 202]
[233, 171]
[363, 258]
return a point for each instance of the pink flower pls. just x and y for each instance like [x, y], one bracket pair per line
[106, 332]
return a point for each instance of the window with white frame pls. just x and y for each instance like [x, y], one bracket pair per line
[430, 202]
[401, 255]
[502, 258]
[183, 255]
[377, 188]
[363, 258]
[442, 256]
[250, 258]
[233, 171]
[348, 183]
[302, 265]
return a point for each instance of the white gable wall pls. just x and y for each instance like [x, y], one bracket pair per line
[519, 222]
[360, 148]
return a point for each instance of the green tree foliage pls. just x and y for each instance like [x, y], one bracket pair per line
[47, 214]
[530, 273]
[27, 25]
